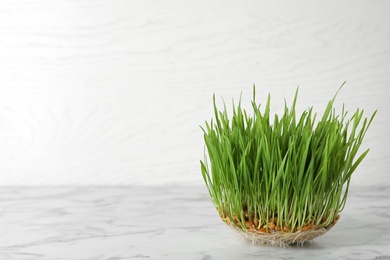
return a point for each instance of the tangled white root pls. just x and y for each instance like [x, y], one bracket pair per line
[283, 239]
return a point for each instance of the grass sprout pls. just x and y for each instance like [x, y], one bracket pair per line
[281, 173]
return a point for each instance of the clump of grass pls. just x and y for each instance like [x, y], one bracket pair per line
[282, 174]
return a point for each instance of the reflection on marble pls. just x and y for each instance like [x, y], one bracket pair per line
[113, 223]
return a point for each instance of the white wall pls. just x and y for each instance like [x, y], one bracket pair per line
[113, 92]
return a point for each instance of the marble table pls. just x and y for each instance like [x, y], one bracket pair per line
[170, 222]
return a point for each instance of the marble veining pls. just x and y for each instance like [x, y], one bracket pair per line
[168, 222]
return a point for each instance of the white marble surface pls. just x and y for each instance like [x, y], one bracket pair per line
[113, 223]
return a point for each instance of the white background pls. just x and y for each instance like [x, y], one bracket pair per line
[113, 92]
